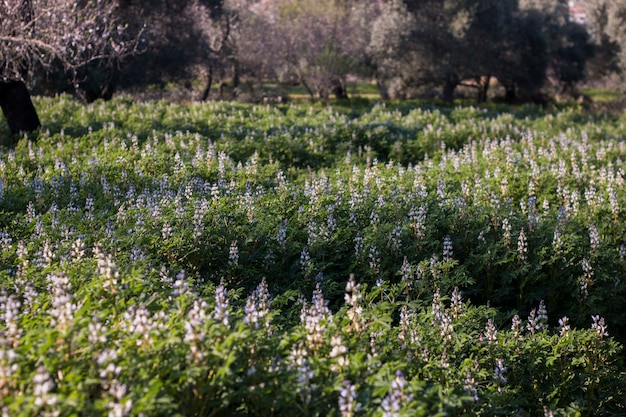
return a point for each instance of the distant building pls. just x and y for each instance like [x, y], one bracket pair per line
[577, 13]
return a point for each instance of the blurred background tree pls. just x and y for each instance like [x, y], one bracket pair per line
[314, 43]
[519, 50]
[55, 38]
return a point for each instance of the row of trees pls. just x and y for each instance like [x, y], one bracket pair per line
[93, 47]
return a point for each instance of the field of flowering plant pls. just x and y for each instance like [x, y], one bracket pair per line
[221, 259]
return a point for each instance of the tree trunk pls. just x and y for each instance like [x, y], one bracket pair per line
[339, 89]
[382, 88]
[483, 88]
[306, 87]
[509, 93]
[449, 87]
[236, 79]
[17, 107]
[207, 88]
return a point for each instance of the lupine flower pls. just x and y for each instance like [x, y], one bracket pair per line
[298, 360]
[138, 321]
[538, 319]
[106, 268]
[257, 306]
[373, 345]
[109, 374]
[592, 197]
[406, 323]
[491, 333]
[331, 222]
[43, 388]
[434, 267]
[22, 254]
[359, 246]
[46, 253]
[396, 237]
[407, 274]
[481, 238]
[6, 241]
[118, 407]
[470, 386]
[338, 351]
[8, 365]
[516, 325]
[574, 202]
[198, 218]
[456, 303]
[180, 286]
[78, 249]
[31, 213]
[374, 260]
[447, 330]
[506, 236]
[498, 374]
[564, 326]
[587, 277]
[221, 313]
[594, 237]
[305, 262]
[62, 309]
[396, 399]
[89, 208]
[447, 249]
[194, 333]
[347, 400]
[97, 332]
[233, 254]
[312, 235]
[10, 310]
[437, 306]
[136, 255]
[441, 188]
[542, 315]
[281, 236]
[522, 246]
[109, 370]
[557, 243]
[599, 326]
[297, 356]
[352, 298]
[417, 220]
[315, 317]
[166, 231]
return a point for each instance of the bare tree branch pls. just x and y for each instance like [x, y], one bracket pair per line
[53, 33]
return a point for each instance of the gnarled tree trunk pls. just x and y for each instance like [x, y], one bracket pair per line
[17, 107]
[452, 81]
[209, 81]
[483, 88]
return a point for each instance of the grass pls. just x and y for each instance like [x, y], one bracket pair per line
[602, 95]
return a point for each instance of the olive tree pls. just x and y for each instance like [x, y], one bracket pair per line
[447, 43]
[606, 21]
[315, 43]
[440, 43]
[39, 36]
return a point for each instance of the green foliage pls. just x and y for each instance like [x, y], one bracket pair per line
[158, 260]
